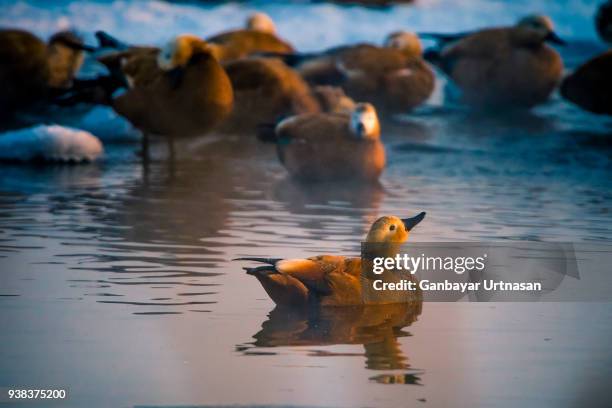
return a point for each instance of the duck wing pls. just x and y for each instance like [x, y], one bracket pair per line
[241, 43]
[313, 273]
[483, 47]
[105, 40]
[312, 128]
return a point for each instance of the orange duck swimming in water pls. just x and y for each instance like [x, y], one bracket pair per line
[328, 280]
[317, 147]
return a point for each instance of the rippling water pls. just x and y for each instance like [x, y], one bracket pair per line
[117, 283]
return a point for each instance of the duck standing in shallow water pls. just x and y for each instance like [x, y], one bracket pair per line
[327, 280]
[508, 67]
[394, 77]
[180, 90]
[259, 36]
[330, 146]
[32, 71]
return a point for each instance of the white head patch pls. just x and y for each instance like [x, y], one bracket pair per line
[364, 121]
[179, 51]
[165, 58]
[261, 22]
[537, 22]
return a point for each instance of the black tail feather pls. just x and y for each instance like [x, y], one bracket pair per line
[106, 40]
[269, 261]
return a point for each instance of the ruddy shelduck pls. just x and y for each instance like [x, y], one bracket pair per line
[508, 67]
[330, 146]
[177, 91]
[394, 77]
[34, 72]
[328, 280]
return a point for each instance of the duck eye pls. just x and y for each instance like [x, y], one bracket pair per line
[392, 227]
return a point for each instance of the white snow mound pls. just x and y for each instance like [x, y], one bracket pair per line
[50, 142]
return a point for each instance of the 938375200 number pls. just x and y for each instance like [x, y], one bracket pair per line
[35, 393]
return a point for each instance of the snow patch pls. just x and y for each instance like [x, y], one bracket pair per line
[49, 142]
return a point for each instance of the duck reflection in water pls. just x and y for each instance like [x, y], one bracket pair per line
[376, 327]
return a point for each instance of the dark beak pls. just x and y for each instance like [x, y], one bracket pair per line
[361, 129]
[106, 40]
[410, 223]
[555, 39]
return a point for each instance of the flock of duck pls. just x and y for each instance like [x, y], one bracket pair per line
[320, 109]
[250, 79]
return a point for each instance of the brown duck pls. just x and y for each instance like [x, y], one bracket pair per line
[32, 71]
[393, 77]
[318, 147]
[509, 67]
[180, 90]
[328, 280]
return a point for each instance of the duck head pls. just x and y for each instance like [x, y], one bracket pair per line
[392, 229]
[179, 51]
[364, 122]
[406, 42]
[65, 57]
[261, 22]
[541, 28]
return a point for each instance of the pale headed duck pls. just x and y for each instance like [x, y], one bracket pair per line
[329, 146]
[179, 90]
[327, 280]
